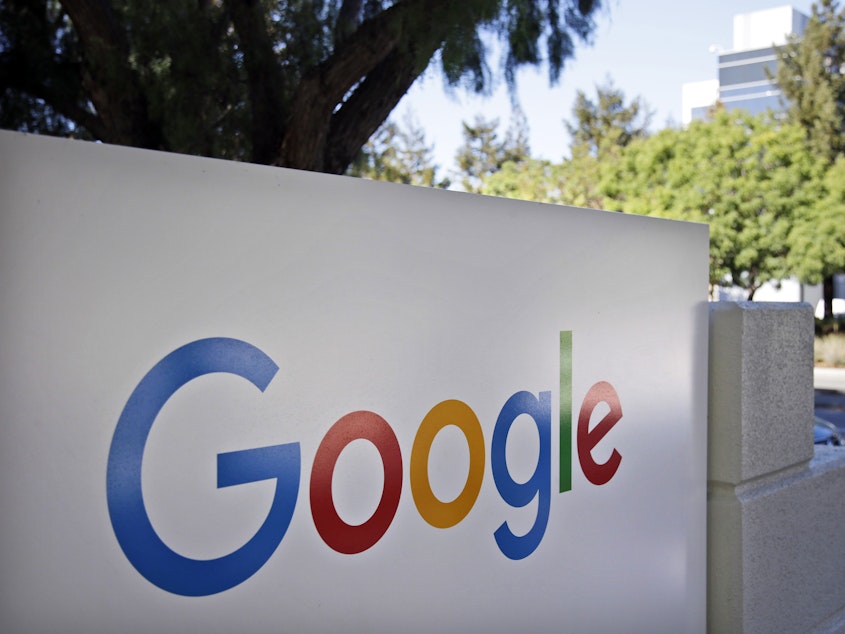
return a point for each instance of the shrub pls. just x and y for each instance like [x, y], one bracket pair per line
[829, 350]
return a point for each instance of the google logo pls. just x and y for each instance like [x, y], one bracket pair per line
[181, 575]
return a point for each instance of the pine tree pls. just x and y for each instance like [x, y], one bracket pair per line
[602, 126]
[483, 153]
[811, 74]
[398, 155]
[600, 130]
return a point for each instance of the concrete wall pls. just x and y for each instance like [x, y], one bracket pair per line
[776, 503]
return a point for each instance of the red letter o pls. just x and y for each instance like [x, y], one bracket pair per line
[338, 535]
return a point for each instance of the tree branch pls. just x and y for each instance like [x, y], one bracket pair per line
[369, 106]
[325, 87]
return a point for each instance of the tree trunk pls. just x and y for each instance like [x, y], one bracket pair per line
[265, 78]
[827, 295]
[343, 100]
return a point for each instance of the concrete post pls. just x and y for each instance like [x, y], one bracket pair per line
[776, 504]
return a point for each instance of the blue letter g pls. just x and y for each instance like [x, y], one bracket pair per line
[136, 535]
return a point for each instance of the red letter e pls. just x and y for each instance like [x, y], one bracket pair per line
[588, 439]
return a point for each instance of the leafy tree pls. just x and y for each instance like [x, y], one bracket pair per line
[298, 83]
[818, 243]
[811, 74]
[601, 127]
[751, 178]
[483, 153]
[398, 155]
[573, 182]
[530, 179]
[580, 179]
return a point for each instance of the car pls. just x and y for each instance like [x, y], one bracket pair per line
[825, 433]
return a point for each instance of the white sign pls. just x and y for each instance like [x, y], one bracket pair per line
[240, 398]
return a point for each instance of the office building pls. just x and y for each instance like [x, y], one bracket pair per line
[744, 72]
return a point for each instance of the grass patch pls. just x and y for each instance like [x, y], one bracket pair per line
[829, 350]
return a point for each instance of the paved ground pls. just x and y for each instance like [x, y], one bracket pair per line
[830, 395]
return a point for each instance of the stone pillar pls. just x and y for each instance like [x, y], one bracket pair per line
[776, 503]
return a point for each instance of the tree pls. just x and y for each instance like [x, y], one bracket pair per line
[299, 83]
[573, 182]
[483, 154]
[398, 155]
[752, 179]
[811, 74]
[818, 243]
[603, 126]
[530, 179]
[601, 129]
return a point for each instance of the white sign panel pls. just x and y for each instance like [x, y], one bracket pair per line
[237, 398]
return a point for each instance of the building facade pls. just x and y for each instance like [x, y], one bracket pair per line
[745, 72]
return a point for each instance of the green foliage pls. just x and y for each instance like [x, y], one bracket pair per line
[524, 23]
[601, 127]
[530, 179]
[194, 86]
[601, 130]
[751, 178]
[573, 182]
[484, 154]
[398, 155]
[296, 83]
[775, 208]
[818, 241]
[811, 73]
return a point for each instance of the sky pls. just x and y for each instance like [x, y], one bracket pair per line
[648, 48]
